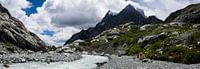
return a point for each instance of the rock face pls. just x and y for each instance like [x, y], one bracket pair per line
[14, 35]
[128, 14]
[190, 14]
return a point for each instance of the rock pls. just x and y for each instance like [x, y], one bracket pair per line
[2, 52]
[100, 64]
[36, 57]
[198, 43]
[196, 26]
[94, 53]
[65, 49]
[101, 54]
[189, 14]
[176, 24]
[145, 26]
[6, 65]
[175, 33]
[165, 25]
[23, 60]
[85, 53]
[15, 34]
[128, 14]
[30, 52]
[149, 39]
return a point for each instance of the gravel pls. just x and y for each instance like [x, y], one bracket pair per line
[129, 62]
[39, 57]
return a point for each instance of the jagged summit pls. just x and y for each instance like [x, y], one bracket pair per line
[14, 37]
[128, 14]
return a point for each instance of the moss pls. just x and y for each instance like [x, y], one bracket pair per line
[85, 43]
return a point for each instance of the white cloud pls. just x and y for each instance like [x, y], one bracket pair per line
[66, 17]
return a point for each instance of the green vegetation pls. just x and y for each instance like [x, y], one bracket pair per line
[176, 47]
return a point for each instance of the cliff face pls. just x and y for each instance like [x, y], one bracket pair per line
[128, 14]
[190, 14]
[14, 35]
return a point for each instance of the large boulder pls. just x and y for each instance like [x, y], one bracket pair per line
[150, 39]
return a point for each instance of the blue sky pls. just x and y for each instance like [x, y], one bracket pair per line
[35, 4]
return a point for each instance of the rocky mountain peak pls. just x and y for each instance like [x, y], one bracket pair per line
[128, 14]
[131, 9]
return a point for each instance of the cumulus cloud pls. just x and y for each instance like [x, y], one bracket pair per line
[66, 17]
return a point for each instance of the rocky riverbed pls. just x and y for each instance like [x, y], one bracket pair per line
[39, 57]
[129, 62]
[86, 62]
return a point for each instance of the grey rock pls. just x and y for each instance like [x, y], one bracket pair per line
[127, 62]
[189, 14]
[149, 39]
[128, 14]
[14, 33]
[42, 57]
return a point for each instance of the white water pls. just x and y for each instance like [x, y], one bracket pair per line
[87, 62]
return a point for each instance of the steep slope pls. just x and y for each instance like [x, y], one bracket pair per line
[176, 41]
[128, 14]
[14, 36]
[190, 14]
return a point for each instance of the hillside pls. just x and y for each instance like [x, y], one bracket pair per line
[14, 37]
[175, 41]
[128, 14]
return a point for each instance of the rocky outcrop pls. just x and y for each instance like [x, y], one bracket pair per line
[190, 14]
[128, 14]
[14, 35]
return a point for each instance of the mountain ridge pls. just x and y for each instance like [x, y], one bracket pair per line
[15, 37]
[189, 14]
[128, 14]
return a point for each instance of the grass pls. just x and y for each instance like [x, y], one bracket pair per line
[161, 49]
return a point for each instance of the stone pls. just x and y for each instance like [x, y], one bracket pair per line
[85, 53]
[149, 39]
[6, 65]
[144, 27]
[196, 26]
[94, 53]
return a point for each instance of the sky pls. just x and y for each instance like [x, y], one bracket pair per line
[55, 21]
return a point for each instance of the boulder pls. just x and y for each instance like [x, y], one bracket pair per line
[149, 39]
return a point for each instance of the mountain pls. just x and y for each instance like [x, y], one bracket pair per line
[190, 14]
[128, 14]
[14, 37]
[177, 40]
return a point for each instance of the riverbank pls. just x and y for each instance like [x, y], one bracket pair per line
[130, 62]
[86, 62]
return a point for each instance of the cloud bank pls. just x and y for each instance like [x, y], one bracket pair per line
[66, 17]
